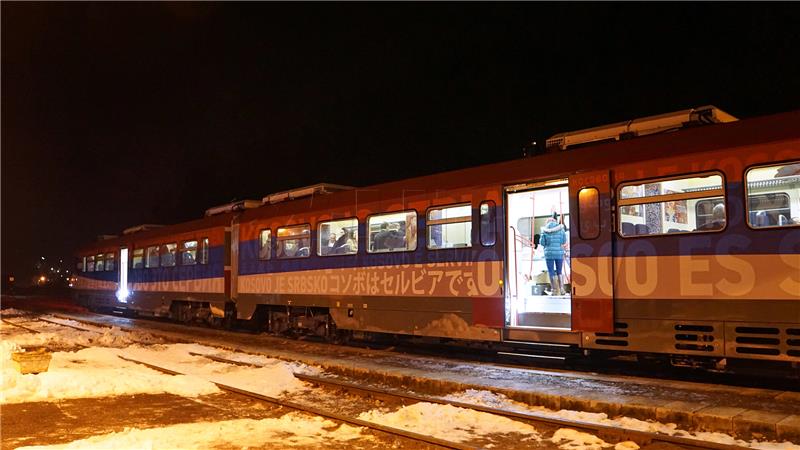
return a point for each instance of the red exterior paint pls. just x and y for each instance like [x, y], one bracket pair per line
[488, 311]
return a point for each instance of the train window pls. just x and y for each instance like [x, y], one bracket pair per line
[665, 206]
[90, 264]
[450, 227]
[109, 262]
[203, 251]
[488, 224]
[99, 265]
[773, 196]
[392, 232]
[265, 244]
[82, 264]
[151, 260]
[294, 242]
[168, 254]
[138, 258]
[337, 237]
[589, 213]
[189, 253]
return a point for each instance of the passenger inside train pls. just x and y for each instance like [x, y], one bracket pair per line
[676, 205]
[294, 242]
[392, 232]
[339, 237]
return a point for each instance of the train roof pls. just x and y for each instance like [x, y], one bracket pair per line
[758, 130]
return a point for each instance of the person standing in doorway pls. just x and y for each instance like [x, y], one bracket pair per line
[554, 241]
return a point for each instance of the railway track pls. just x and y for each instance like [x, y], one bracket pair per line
[323, 413]
[546, 356]
[606, 432]
[619, 434]
[29, 330]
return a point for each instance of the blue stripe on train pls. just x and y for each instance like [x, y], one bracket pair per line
[214, 269]
[737, 238]
[250, 264]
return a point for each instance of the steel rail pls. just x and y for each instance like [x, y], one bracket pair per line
[30, 330]
[319, 412]
[640, 437]
[70, 326]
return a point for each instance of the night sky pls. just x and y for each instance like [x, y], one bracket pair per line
[117, 114]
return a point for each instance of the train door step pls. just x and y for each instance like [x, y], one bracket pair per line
[544, 319]
[542, 335]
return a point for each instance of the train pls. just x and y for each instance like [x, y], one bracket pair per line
[682, 242]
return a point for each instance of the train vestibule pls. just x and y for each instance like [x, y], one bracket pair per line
[538, 268]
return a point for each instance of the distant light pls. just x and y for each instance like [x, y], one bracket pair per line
[42, 279]
[42, 258]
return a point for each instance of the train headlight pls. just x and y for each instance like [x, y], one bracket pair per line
[123, 294]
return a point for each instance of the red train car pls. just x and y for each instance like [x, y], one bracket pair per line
[685, 242]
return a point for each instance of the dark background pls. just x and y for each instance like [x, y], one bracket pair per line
[116, 114]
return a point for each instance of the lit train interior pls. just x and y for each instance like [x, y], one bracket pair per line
[773, 195]
[538, 234]
[672, 206]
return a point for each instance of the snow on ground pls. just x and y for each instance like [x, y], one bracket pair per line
[89, 373]
[449, 422]
[500, 401]
[54, 336]
[12, 312]
[292, 429]
[273, 379]
[99, 372]
[569, 439]
[109, 337]
[260, 360]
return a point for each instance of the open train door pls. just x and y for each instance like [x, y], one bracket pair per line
[591, 241]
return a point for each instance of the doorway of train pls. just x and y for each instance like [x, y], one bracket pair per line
[537, 251]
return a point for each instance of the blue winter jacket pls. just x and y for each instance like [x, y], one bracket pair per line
[553, 237]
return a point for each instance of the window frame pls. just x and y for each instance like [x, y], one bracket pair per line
[147, 256]
[163, 250]
[493, 222]
[358, 241]
[310, 243]
[133, 257]
[269, 243]
[747, 195]
[100, 258]
[113, 257]
[204, 250]
[182, 249]
[638, 201]
[386, 213]
[578, 197]
[428, 224]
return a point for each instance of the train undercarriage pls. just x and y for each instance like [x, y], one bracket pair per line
[299, 322]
